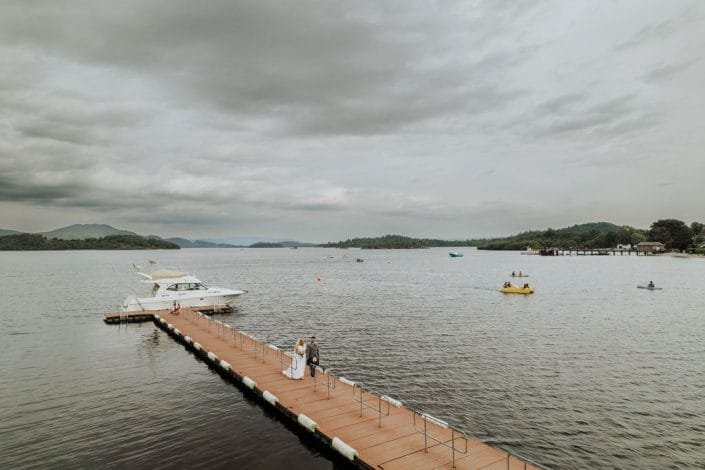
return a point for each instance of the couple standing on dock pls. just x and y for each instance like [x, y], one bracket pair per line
[304, 354]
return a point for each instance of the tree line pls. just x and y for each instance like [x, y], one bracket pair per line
[394, 242]
[33, 241]
[673, 233]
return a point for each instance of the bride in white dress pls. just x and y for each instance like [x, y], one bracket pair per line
[298, 361]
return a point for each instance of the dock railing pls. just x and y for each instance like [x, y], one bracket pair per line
[519, 459]
[381, 406]
[378, 407]
[329, 382]
[260, 349]
[454, 434]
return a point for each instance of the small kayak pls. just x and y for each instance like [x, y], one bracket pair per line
[649, 287]
[519, 275]
[517, 290]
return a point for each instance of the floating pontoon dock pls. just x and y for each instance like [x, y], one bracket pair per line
[139, 316]
[371, 431]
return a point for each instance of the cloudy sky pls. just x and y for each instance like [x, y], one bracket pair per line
[326, 120]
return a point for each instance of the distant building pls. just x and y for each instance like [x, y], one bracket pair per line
[624, 247]
[651, 247]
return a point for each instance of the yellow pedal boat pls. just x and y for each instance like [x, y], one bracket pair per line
[517, 290]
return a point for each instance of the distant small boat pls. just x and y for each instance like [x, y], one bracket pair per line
[517, 290]
[649, 287]
[455, 254]
[359, 260]
[520, 275]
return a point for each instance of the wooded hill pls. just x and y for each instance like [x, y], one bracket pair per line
[35, 241]
[590, 235]
[674, 234]
[394, 242]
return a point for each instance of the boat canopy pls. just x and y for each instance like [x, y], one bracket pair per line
[166, 274]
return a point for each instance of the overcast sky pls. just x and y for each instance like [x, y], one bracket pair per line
[321, 121]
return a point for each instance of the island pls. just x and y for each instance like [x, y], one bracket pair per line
[673, 234]
[35, 241]
[394, 242]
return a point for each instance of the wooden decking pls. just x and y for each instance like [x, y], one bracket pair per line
[369, 430]
[148, 315]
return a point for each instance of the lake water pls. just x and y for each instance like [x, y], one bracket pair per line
[588, 372]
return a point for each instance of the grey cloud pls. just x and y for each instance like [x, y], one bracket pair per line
[570, 114]
[562, 103]
[663, 29]
[666, 71]
[325, 119]
[650, 32]
[16, 190]
[308, 69]
[80, 122]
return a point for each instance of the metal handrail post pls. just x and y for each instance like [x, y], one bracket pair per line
[439, 440]
[379, 411]
[328, 383]
[261, 343]
[360, 400]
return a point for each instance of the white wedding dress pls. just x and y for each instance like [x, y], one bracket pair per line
[298, 364]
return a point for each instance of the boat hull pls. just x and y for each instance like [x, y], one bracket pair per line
[517, 290]
[134, 304]
[649, 288]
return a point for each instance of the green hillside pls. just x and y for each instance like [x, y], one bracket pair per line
[35, 241]
[84, 231]
[185, 243]
[294, 243]
[4, 232]
[394, 242]
[590, 235]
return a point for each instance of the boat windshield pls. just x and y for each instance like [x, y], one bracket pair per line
[185, 286]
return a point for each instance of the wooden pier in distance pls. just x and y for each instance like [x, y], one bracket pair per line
[595, 252]
[369, 430]
[139, 316]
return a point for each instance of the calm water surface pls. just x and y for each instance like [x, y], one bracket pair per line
[588, 372]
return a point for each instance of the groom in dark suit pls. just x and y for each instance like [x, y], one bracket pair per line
[312, 355]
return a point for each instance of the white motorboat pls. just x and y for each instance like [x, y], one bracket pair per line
[169, 287]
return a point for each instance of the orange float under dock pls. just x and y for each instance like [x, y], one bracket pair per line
[369, 430]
